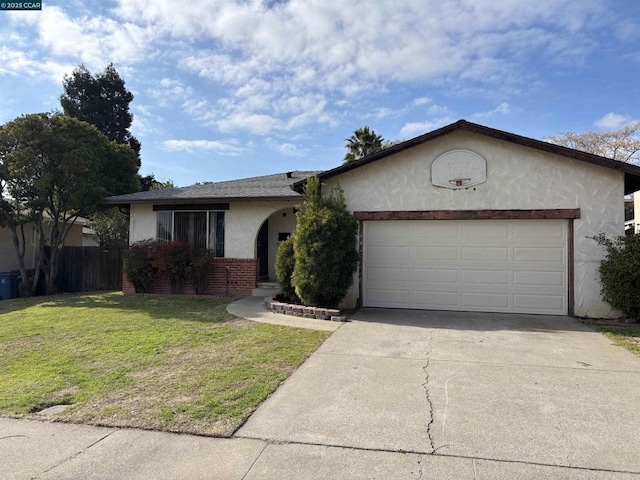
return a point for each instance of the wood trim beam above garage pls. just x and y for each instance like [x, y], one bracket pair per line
[558, 213]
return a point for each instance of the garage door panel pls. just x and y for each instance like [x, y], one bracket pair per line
[540, 231]
[539, 254]
[475, 265]
[433, 300]
[435, 253]
[538, 278]
[388, 253]
[484, 301]
[435, 231]
[437, 275]
[386, 232]
[485, 254]
[540, 303]
[388, 274]
[389, 298]
[486, 277]
[485, 231]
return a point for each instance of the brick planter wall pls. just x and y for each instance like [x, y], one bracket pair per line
[302, 311]
[230, 277]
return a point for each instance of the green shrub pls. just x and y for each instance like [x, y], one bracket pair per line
[325, 251]
[620, 273]
[139, 267]
[173, 258]
[199, 267]
[285, 263]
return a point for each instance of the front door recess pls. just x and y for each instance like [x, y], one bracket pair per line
[263, 251]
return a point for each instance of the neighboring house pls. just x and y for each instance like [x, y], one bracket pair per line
[462, 218]
[630, 227]
[89, 238]
[8, 258]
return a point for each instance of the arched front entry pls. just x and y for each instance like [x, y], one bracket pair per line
[273, 231]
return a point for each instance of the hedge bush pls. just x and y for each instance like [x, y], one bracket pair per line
[620, 273]
[173, 258]
[139, 265]
[199, 267]
[285, 263]
[325, 252]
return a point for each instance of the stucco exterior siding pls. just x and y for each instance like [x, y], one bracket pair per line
[517, 178]
[142, 223]
[242, 223]
[8, 258]
[279, 223]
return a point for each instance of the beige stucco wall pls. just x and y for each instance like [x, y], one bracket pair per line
[279, 223]
[8, 258]
[242, 223]
[517, 178]
[142, 223]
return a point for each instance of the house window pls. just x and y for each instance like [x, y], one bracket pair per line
[199, 229]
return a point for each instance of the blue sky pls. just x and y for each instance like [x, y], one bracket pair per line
[229, 89]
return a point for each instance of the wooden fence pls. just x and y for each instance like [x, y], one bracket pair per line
[86, 269]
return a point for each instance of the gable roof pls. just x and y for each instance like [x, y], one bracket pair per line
[267, 187]
[631, 172]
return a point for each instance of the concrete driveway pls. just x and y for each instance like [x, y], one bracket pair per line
[456, 395]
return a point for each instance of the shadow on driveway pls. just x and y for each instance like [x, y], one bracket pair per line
[469, 321]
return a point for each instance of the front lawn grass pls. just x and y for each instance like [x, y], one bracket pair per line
[626, 335]
[181, 365]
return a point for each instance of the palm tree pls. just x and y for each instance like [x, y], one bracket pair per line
[363, 142]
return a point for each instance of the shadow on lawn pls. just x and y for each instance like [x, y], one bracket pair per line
[209, 310]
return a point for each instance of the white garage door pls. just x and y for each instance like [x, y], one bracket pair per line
[469, 265]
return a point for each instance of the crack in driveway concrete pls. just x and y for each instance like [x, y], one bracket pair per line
[425, 385]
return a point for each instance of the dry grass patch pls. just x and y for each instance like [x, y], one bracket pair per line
[624, 334]
[182, 365]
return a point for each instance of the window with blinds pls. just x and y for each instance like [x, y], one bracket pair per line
[200, 229]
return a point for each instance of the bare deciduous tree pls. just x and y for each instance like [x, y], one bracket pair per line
[622, 144]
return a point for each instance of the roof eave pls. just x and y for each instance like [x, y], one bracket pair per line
[196, 200]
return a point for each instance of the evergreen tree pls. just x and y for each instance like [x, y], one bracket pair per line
[102, 100]
[324, 244]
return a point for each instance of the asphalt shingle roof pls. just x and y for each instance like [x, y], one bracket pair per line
[276, 186]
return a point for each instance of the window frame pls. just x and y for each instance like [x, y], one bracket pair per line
[213, 216]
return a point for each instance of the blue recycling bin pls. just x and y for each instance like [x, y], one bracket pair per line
[8, 285]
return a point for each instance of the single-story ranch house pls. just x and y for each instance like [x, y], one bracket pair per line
[465, 217]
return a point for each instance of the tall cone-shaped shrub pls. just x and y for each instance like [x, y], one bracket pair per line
[285, 263]
[325, 251]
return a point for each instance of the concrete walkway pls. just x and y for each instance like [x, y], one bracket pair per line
[394, 395]
[252, 308]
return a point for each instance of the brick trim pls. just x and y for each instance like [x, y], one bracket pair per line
[230, 277]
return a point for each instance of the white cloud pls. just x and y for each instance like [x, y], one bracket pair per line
[613, 121]
[421, 101]
[287, 149]
[228, 148]
[405, 41]
[15, 62]
[267, 67]
[260, 124]
[413, 129]
[501, 109]
[145, 121]
[92, 40]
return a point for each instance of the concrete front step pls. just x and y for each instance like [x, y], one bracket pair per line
[266, 289]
